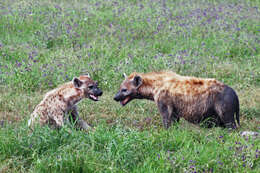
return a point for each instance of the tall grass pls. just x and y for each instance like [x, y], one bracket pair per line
[116, 149]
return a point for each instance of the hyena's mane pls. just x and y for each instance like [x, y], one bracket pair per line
[176, 84]
[155, 78]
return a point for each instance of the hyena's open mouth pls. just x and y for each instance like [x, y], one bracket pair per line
[125, 101]
[93, 97]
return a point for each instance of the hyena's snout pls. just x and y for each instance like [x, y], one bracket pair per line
[119, 96]
[94, 93]
[98, 92]
[122, 98]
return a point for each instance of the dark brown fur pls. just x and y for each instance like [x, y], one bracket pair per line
[194, 99]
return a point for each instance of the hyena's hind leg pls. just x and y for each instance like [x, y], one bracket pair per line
[229, 120]
[226, 116]
[226, 107]
[57, 121]
[37, 118]
[75, 119]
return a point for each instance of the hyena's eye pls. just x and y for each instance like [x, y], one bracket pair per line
[90, 86]
[124, 90]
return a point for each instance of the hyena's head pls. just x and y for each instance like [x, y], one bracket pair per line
[129, 89]
[87, 86]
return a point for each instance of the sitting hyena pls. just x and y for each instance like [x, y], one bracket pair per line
[194, 99]
[62, 100]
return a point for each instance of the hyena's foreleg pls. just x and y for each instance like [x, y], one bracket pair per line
[166, 112]
[75, 119]
[174, 116]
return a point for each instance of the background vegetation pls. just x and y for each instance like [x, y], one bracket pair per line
[46, 43]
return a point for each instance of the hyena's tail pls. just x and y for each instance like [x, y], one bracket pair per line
[237, 113]
[237, 117]
[32, 120]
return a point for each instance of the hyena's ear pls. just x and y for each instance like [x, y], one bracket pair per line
[124, 75]
[138, 81]
[87, 74]
[76, 82]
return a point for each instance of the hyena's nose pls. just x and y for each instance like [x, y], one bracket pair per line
[100, 93]
[116, 98]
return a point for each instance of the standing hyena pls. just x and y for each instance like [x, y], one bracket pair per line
[194, 99]
[62, 100]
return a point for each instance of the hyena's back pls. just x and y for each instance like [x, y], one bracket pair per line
[191, 97]
[51, 108]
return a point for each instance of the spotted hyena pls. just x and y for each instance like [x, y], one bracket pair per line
[194, 99]
[62, 101]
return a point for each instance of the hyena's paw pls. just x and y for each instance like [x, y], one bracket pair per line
[82, 125]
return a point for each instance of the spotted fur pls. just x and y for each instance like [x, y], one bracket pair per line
[194, 99]
[62, 101]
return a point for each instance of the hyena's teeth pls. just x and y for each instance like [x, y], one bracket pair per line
[93, 97]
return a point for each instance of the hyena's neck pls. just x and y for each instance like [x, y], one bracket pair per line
[146, 92]
[73, 96]
[74, 100]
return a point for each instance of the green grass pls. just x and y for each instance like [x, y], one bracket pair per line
[46, 43]
[117, 149]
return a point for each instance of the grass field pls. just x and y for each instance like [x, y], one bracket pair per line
[46, 43]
